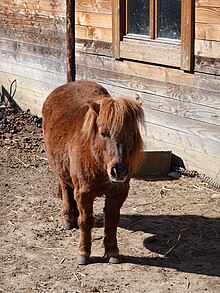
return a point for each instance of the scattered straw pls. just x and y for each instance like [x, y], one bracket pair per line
[178, 239]
[62, 261]
[21, 162]
[76, 277]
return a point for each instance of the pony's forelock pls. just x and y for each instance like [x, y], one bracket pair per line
[115, 112]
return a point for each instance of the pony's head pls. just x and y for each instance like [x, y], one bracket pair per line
[113, 128]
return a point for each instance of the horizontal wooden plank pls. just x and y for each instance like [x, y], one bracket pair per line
[38, 19]
[207, 65]
[93, 47]
[41, 63]
[93, 33]
[23, 82]
[31, 100]
[52, 30]
[156, 102]
[151, 52]
[208, 3]
[32, 7]
[37, 39]
[35, 74]
[191, 142]
[93, 6]
[29, 94]
[156, 73]
[34, 4]
[210, 49]
[52, 26]
[182, 124]
[55, 54]
[181, 109]
[149, 85]
[28, 99]
[204, 31]
[208, 15]
[93, 19]
[176, 123]
[42, 25]
[177, 93]
[56, 7]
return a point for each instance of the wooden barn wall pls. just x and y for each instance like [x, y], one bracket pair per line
[182, 110]
[32, 49]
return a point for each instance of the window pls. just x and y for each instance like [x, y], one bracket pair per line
[155, 31]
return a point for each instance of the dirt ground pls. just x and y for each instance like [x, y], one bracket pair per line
[169, 232]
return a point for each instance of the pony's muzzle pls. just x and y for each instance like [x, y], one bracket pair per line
[119, 172]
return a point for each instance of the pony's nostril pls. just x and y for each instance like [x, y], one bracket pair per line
[123, 169]
[114, 172]
[119, 170]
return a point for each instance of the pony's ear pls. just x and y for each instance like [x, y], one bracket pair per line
[90, 118]
[94, 107]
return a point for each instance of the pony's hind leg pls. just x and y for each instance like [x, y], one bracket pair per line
[69, 212]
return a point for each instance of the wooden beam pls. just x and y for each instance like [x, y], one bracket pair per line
[187, 34]
[116, 31]
[70, 40]
[167, 54]
[153, 19]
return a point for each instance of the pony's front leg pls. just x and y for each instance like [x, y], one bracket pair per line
[112, 217]
[86, 222]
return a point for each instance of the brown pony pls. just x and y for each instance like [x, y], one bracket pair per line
[93, 145]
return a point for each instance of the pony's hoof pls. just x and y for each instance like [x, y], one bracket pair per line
[113, 259]
[83, 260]
[67, 225]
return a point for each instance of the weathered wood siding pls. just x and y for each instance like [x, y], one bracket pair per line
[182, 110]
[207, 36]
[32, 49]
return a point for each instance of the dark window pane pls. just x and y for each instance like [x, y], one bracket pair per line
[138, 17]
[169, 14]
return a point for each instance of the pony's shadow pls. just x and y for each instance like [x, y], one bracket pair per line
[187, 243]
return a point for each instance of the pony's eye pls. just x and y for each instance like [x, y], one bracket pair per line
[105, 134]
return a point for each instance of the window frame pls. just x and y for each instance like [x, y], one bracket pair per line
[174, 53]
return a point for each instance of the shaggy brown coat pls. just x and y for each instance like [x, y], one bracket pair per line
[93, 145]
